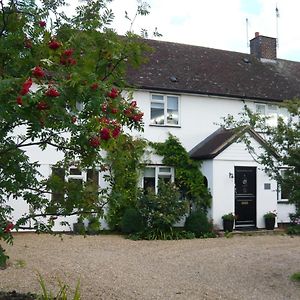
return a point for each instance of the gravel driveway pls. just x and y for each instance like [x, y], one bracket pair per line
[111, 267]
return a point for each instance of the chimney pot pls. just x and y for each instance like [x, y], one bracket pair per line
[256, 34]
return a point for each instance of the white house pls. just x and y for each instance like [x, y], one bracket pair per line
[185, 90]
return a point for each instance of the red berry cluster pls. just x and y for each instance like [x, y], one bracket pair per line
[24, 91]
[114, 93]
[109, 129]
[9, 226]
[54, 44]
[67, 59]
[132, 112]
[38, 72]
[52, 92]
[42, 23]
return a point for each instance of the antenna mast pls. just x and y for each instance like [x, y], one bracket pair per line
[247, 32]
[277, 35]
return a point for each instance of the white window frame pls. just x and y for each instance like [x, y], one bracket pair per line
[272, 111]
[158, 173]
[83, 176]
[279, 194]
[164, 101]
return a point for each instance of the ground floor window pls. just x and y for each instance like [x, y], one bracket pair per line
[282, 191]
[75, 177]
[152, 175]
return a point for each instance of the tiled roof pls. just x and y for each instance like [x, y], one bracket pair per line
[218, 141]
[181, 68]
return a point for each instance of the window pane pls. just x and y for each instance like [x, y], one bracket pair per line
[58, 177]
[165, 170]
[172, 110]
[157, 113]
[149, 172]
[261, 109]
[158, 97]
[93, 176]
[149, 179]
[74, 189]
[75, 171]
[172, 103]
[272, 108]
[165, 178]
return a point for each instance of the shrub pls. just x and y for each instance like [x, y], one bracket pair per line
[296, 276]
[197, 222]
[294, 229]
[3, 258]
[161, 211]
[132, 221]
[94, 225]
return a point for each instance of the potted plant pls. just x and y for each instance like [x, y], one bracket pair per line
[228, 222]
[270, 219]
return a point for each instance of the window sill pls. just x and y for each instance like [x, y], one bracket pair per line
[283, 202]
[165, 125]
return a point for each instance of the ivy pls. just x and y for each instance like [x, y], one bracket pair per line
[123, 159]
[188, 177]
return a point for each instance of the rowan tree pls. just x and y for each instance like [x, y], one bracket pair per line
[61, 85]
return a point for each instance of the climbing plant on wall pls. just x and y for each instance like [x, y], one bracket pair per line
[188, 177]
[123, 159]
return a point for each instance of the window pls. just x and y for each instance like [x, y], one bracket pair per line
[153, 174]
[75, 178]
[272, 112]
[164, 110]
[282, 191]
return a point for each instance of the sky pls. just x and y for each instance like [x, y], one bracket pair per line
[219, 24]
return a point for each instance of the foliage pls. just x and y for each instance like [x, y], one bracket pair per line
[188, 177]
[132, 221]
[17, 296]
[160, 211]
[62, 293]
[270, 215]
[175, 234]
[93, 225]
[79, 228]
[282, 146]
[198, 223]
[293, 230]
[3, 258]
[229, 217]
[123, 159]
[61, 84]
[296, 276]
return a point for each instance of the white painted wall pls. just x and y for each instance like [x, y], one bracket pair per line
[199, 117]
[223, 186]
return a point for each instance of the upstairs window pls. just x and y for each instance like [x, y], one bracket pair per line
[272, 112]
[164, 110]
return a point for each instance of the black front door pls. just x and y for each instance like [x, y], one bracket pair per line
[245, 196]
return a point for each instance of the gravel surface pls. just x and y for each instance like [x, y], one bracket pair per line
[111, 267]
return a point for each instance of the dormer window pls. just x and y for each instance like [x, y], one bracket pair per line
[164, 110]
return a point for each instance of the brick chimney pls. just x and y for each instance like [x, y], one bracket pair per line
[263, 47]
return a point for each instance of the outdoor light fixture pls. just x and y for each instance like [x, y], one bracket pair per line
[230, 175]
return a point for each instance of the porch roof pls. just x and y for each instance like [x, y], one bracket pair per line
[219, 140]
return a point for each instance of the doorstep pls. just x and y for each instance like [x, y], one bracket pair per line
[258, 231]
